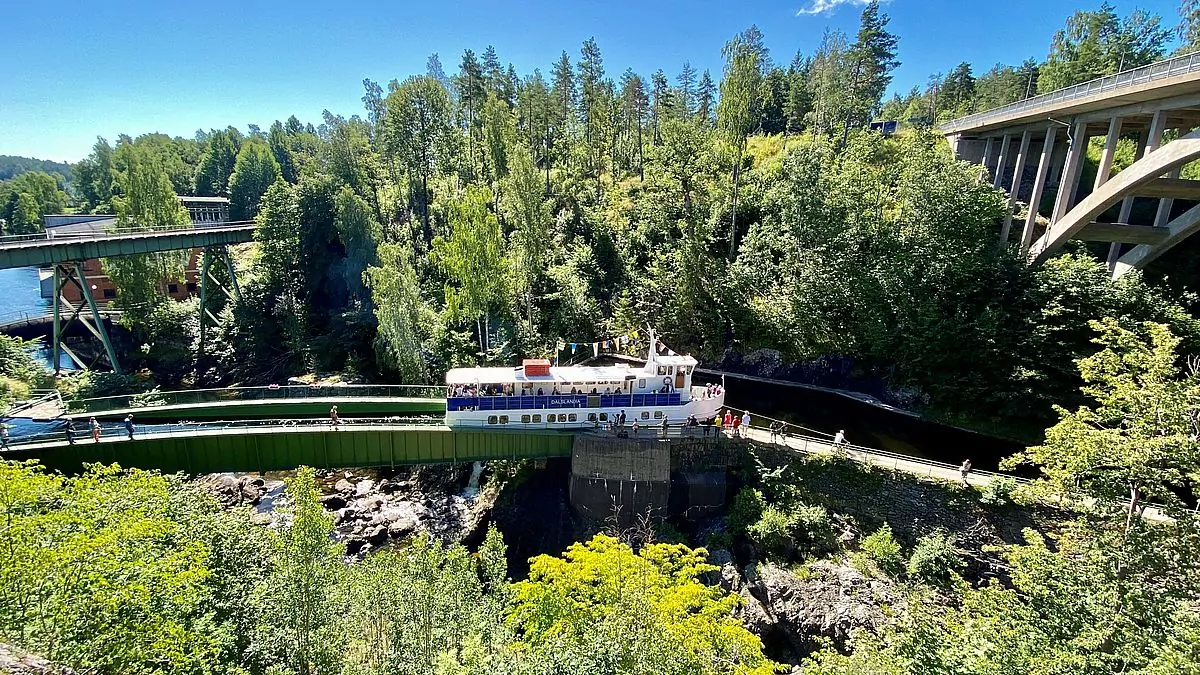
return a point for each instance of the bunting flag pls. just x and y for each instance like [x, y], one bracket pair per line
[573, 346]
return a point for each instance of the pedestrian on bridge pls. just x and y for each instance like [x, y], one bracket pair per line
[965, 469]
[840, 437]
[95, 427]
[333, 418]
[745, 423]
[70, 431]
[665, 427]
[129, 426]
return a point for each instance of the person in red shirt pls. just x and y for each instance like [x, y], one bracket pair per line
[728, 421]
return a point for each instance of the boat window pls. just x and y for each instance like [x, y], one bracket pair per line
[662, 370]
[572, 417]
[491, 419]
[537, 419]
[641, 384]
[591, 417]
[504, 419]
[524, 419]
[658, 414]
[603, 417]
[646, 415]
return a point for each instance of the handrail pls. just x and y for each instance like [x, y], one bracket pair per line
[1177, 65]
[41, 396]
[232, 394]
[51, 236]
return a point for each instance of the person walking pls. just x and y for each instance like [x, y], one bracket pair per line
[736, 429]
[70, 429]
[635, 427]
[665, 427]
[621, 419]
[840, 437]
[333, 418]
[728, 422]
[95, 427]
[708, 425]
[129, 426]
[774, 432]
[692, 424]
[745, 423]
[718, 423]
[965, 469]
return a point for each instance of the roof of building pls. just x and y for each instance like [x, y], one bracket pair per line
[203, 200]
[568, 374]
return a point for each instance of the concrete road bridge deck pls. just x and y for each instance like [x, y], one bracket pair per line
[1035, 149]
[42, 251]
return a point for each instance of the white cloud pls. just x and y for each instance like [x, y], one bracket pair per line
[827, 6]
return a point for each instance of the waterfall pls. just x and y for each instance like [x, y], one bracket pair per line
[472, 489]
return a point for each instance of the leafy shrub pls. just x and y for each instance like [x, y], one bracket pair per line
[745, 510]
[883, 549]
[998, 492]
[773, 531]
[935, 559]
[814, 527]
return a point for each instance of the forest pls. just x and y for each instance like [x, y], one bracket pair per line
[755, 221]
[749, 217]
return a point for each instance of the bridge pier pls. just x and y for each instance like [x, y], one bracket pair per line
[73, 273]
[220, 255]
[624, 479]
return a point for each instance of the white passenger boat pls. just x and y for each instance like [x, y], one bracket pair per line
[538, 395]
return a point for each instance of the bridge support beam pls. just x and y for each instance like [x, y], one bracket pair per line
[987, 158]
[1068, 185]
[1039, 185]
[219, 255]
[1149, 144]
[73, 273]
[1002, 164]
[1018, 173]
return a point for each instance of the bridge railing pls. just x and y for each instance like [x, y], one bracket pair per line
[269, 392]
[1159, 70]
[51, 235]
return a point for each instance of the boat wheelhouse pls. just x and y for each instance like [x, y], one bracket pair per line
[539, 395]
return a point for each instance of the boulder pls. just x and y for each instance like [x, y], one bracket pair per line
[346, 514]
[16, 662]
[343, 486]
[832, 601]
[364, 487]
[377, 535]
[333, 502]
[729, 579]
[224, 486]
[400, 529]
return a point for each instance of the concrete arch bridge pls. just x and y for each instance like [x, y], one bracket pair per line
[1036, 150]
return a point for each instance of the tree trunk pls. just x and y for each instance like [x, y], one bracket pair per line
[737, 168]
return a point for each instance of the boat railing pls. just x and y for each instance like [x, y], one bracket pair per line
[154, 399]
[563, 401]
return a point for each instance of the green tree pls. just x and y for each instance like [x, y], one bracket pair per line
[1098, 43]
[737, 112]
[254, 172]
[217, 163]
[147, 201]
[604, 608]
[399, 311]
[526, 206]
[297, 599]
[417, 134]
[472, 257]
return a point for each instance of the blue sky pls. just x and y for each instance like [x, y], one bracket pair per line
[87, 68]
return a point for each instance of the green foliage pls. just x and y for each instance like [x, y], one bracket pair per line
[604, 608]
[745, 510]
[27, 197]
[1098, 43]
[255, 170]
[998, 491]
[400, 311]
[935, 559]
[19, 370]
[883, 550]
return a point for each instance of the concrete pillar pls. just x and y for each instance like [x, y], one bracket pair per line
[987, 156]
[1069, 184]
[1164, 205]
[1127, 203]
[1018, 172]
[1002, 164]
[1039, 184]
[1110, 149]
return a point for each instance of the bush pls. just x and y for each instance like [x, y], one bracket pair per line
[773, 531]
[998, 492]
[883, 550]
[813, 526]
[745, 510]
[935, 559]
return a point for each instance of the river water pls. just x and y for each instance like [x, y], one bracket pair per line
[20, 294]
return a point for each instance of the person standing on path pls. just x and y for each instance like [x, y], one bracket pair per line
[965, 469]
[728, 421]
[745, 423]
[70, 429]
[333, 418]
[95, 427]
[840, 437]
[737, 423]
[665, 427]
[129, 426]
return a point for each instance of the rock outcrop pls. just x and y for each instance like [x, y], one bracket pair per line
[828, 600]
[16, 662]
